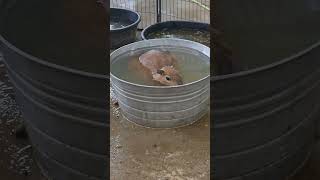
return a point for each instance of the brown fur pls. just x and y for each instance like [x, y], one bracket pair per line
[142, 72]
[157, 66]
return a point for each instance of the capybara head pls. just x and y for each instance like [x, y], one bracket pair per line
[168, 76]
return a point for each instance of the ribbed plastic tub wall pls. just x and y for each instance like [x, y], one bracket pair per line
[264, 118]
[65, 120]
[169, 25]
[126, 35]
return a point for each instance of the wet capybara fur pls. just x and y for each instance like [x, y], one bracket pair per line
[158, 67]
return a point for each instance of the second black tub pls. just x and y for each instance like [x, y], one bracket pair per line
[57, 65]
[265, 114]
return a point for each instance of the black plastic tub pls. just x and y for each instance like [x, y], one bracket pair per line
[64, 109]
[259, 119]
[176, 25]
[265, 117]
[123, 27]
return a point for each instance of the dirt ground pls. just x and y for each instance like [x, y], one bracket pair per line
[171, 154]
[177, 154]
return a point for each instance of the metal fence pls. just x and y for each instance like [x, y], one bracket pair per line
[153, 11]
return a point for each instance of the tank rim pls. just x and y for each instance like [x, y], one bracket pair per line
[130, 25]
[147, 29]
[282, 61]
[51, 65]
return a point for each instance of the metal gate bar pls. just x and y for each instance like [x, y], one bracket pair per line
[153, 11]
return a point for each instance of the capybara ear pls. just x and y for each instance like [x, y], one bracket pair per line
[160, 71]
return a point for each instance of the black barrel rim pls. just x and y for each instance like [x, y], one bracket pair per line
[129, 26]
[51, 65]
[288, 59]
[144, 31]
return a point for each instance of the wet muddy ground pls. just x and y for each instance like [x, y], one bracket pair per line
[162, 154]
[172, 154]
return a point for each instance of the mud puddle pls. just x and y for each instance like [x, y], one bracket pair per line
[164, 154]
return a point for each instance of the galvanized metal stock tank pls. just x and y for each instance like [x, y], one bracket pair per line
[162, 106]
[64, 110]
[265, 117]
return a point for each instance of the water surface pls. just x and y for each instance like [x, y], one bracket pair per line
[191, 64]
[118, 24]
[199, 36]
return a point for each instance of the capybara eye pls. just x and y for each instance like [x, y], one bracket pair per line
[160, 71]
